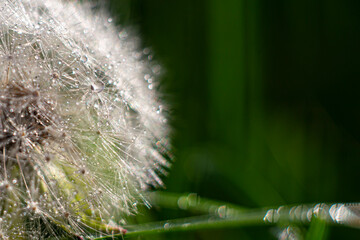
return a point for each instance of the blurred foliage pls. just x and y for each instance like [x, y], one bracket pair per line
[264, 101]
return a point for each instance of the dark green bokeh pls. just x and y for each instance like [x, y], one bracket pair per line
[264, 101]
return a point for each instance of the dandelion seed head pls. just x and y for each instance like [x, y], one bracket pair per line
[82, 129]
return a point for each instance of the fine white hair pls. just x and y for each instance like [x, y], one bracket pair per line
[83, 131]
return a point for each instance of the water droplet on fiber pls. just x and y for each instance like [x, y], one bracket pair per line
[348, 214]
[166, 225]
[97, 87]
[146, 51]
[222, 211]
[156, 69]
[83, 58]
[159, 109]
[123, 34]
[147, 76]
[182, 202]
[272, 216]
[192, 199]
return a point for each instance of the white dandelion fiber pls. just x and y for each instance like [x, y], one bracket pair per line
[82, 130]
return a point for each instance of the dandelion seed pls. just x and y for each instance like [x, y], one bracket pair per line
[81, 133]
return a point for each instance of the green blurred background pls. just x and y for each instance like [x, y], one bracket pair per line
[264, 101]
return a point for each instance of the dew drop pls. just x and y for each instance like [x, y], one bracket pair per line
[123, 34]
[146, 76]
[272, 216]
[146, 51]
[192, 199]
[156, 69]
[348, 214]
[222, 211]
[159, 109]
[182, 202]
[83, 58]
[97, 87]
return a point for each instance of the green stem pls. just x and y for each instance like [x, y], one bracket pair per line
[223, 215]
[193, 223]
[192, 202]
